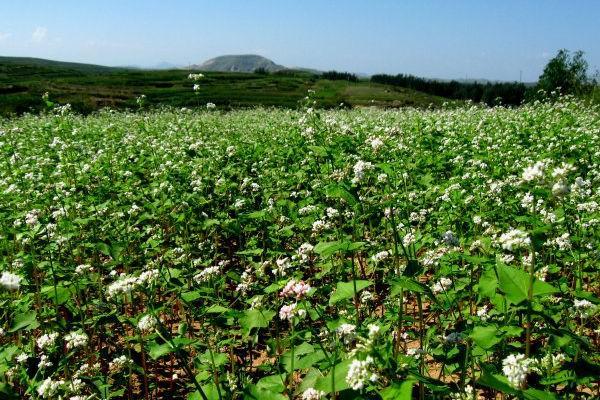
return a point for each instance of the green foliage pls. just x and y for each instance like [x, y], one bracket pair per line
[566, 74]
[277, 254]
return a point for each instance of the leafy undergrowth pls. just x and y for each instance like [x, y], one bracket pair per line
[271, 254]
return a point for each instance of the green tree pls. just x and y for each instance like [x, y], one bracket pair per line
[569, 73]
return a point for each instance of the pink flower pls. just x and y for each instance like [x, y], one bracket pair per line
[287, 312]
[295, 289]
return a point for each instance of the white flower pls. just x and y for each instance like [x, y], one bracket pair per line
[468, 394]
[119, 363]
[549, 364]
[360, 168]
[346, 332]
[415, 352]
[366, 296]
[147, 323]
[442, 285]
[123, 285]
[560, 188]
[305, 250]
[83, 268]
[307, 209]
[373, 330]
[483, 313]
[584, 308]
[48, 388]
[376, 143]
[514, 239]
[76, 339]
[10, 281]
[527, 201]
[312, 394]
[359, 373]
[22, 358]
[44, 362]
[563, 241]
[320, 225]
[283, 264]
[75, 386]
[346, 329]
[332, 212]
[534, 172]
[515, 368]
[208, 273]
[408, 239]
[195, 77]
[287, 312]
[127, 283]
[382, 255]
[47, 340]
[563, 170]
[31, 219]
[239, 203]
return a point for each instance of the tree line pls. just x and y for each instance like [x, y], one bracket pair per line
[510, 93]
[565, 73]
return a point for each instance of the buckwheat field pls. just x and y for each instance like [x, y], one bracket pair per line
[309, 254]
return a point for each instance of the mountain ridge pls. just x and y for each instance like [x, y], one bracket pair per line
[239, 63]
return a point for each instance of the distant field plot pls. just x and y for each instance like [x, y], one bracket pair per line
[88, 88]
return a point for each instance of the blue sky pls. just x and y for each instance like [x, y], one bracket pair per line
[442, 39]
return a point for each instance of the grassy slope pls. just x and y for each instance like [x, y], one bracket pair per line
[89, 87]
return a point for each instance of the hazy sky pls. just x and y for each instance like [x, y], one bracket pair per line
[443, 39]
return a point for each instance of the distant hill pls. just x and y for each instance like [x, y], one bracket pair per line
[239, 63]
[54, 65]
[89, 87]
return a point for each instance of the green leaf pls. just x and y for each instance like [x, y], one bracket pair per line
[535, 394]
[189, 297]
[488, 283]
[511, 331]
[398, 391]
[61, 296]
[207, 361]
[253, 392]
[562, 376]
[515, 283]
[250, 252]
[340, 192]
[216, 309]
[406, 283]
[256, 214]
[485, 337]
[319, 151]
[272, 383]
[339, 383]
[345, 290]
[496, 381]
[25, 321]
[210, 390]
[156, 350]
[255, 318]
[326, 249]
[103, 248]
